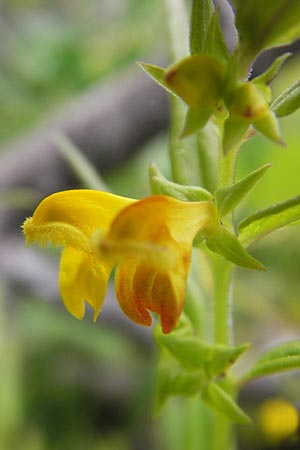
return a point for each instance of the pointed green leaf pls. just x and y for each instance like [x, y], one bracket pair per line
[267, 76]
[228, 198]
[235, 131]
[229, 247]
[194, 120]
[224, 357]
[160, 185]
[190, 352]
[156, 73]
[268, 125]
[215, 44]
[220, 400]
[270, 219]
[202, 11]
[288, 101]
[279, 359]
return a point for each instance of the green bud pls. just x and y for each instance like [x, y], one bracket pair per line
[197, 79]
[248, 102]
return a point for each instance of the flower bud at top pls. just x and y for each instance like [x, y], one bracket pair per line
[248, 102]
[197, 79]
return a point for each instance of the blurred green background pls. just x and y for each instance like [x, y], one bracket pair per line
[69, 385]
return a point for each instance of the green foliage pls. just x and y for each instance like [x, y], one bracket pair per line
[268, 125]
[188, 366]
[161, 185]
[229, 197]
[194, 354]
[195, 119]
[229, 247]
[215, 44]
[172, 380]
[266, 24]
[202, 12]
[219, 399]
[206, 35]
[270, 219]
[48, 56]
[197, 79]
[288, 101]
[279, 359]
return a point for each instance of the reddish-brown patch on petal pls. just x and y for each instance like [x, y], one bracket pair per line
[167, 300]
[128, 301]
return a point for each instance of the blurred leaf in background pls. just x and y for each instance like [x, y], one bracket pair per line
[49, 51]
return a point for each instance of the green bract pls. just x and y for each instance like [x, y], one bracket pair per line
[223, 402]
[269, 219]
[248, 104]
[288, 101]
[229, 197]
[229, 247]
[197, 79]
[160, 185]
[279, 359]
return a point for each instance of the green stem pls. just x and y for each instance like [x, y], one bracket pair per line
[222, 275]
[227, 162]
[223, 435]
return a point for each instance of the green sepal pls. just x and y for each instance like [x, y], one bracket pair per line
[267, 76]
[288, 101]
[229, 247]
[235, 131]
[224, 357]
[173, 380]
[279, 359]
[268, 125]
[156, 73]
[190, 352]
[194, 354]
[215, 44]
[161, 185]
[194, 120]
[197, 79]
[220, 400]
[229, 197]
[269, 219]
[202, 12]
[247, 101]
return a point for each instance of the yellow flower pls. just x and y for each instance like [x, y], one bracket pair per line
[149, 241]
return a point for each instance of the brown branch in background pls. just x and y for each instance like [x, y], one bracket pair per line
[108, 123]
